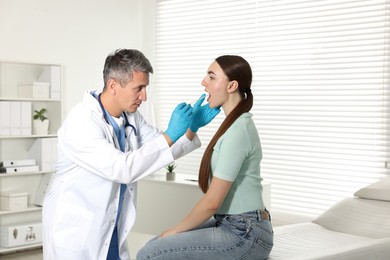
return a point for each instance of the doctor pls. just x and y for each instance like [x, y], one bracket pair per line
[104, 147]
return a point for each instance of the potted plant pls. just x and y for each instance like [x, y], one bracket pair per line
[40, 122]
[170, 176]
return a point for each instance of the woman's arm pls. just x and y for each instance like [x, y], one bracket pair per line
[204, 209]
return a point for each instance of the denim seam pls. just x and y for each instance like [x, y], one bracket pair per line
[194, 249]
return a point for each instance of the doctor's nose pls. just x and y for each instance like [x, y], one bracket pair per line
[143, 95]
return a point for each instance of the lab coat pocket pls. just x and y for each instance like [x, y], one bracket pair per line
[72, 226]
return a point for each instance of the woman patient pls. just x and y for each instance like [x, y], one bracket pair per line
[230, 221]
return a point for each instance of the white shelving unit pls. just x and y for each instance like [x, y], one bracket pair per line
[17, 146]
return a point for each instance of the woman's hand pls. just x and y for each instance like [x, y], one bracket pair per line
[168, 232]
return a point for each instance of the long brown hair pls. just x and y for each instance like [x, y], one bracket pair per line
[235, 68]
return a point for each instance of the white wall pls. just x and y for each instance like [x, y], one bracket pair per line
[76, 34]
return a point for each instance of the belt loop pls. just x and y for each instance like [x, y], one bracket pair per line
[263, 215]
[268, 214]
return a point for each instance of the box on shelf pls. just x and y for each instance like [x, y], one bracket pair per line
[13, 200]
[35, 90]
[20, 234]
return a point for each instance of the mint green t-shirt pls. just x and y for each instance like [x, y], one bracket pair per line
[236, 158]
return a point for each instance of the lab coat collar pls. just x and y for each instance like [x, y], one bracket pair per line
[91, 103]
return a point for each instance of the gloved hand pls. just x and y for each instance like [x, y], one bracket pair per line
[180, 119]
[202, 115]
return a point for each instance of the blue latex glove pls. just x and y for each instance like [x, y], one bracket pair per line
[180, 119]
[202, 115]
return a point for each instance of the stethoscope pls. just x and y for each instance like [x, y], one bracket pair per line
[105, 116]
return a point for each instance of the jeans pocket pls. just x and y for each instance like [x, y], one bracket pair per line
[261, 242]
[264, 234]
[237, 225]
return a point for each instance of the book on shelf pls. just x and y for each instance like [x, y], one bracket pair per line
[20, 169]
[15, 118]
[5, 118]
[14, 163]
[44, 151]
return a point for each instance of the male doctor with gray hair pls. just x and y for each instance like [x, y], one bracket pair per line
[104, 147]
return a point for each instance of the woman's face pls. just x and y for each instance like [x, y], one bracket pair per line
[216, 85]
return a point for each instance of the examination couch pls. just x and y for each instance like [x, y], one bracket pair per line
[356, 228]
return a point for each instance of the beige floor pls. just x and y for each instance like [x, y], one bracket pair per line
[135, 240]
[35, 254]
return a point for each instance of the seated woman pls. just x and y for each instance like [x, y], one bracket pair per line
[230, 221]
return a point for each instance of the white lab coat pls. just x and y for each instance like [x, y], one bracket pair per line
[81, 204]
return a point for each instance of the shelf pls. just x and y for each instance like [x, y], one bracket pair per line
[27, 136]
[24, 88]
[19, 248]
[29, 209]
[29, 99]
[5, 175]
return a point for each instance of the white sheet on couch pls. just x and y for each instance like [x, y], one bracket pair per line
[312, 241]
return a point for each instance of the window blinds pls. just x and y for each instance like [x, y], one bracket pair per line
[321, 100]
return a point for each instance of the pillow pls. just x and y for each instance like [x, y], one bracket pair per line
[356, 216]
[377, 191]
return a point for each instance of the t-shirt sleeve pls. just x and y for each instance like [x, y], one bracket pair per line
[230, 152]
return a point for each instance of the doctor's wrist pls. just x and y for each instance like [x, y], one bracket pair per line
[168, 139]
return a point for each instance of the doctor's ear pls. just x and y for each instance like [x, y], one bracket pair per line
[111, 86]
[233, 86]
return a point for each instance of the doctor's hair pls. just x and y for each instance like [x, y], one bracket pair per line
[238, 69]
[120, 65]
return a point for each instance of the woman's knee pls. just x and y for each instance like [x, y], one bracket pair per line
[143, 253]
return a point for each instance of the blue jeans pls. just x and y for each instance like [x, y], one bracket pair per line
[241, 236]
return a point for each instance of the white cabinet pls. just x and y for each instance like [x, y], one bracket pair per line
[27, 87]
[162, 204]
